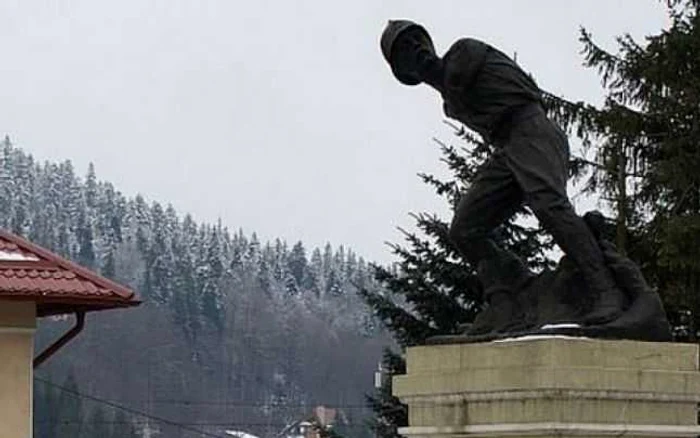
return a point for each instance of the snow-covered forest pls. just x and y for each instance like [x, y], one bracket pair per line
[233, 332]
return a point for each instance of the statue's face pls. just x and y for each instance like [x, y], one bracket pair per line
[410, 51]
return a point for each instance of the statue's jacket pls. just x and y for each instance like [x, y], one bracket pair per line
[484, 88]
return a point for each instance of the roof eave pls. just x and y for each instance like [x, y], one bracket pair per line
[52, 306]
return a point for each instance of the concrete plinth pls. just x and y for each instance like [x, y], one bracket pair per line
[554, 386]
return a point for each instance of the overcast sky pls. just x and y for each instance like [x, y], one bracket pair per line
[278, 117]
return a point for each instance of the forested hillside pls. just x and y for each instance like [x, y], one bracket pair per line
[234, 333]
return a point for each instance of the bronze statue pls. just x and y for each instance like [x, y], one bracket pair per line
[489, 93]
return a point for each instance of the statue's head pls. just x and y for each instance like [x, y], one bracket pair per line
[406, 46]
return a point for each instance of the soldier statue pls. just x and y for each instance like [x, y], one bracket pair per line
[489, 93]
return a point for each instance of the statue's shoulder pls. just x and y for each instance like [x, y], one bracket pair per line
[463, 61]
[466, 46]
[466, 51]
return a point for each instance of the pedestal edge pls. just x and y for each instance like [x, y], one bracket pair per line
[550, 393]
[558, 429]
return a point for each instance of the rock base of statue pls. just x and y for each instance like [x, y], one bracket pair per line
[551, 386]
[520, 302]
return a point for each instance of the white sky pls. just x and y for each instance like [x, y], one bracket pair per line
[278, 117]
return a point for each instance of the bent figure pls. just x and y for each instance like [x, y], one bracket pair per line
[488, 92]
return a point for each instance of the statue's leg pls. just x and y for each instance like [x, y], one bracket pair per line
[538, 153]
[493, 197]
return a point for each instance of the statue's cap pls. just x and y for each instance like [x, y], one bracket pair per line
[393, 29]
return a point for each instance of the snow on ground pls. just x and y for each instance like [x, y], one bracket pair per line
[239, 434]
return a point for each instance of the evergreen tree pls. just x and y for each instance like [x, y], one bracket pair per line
[334, 286]
[253, 249]
[85, 237]
[646, 139]
[350, 267]
[264, 276]
[238, 255]
[327, 258]
[185, 305]
[279, 260]
[109, 268]
[314, 277]
[210, 273]
[297, 263]
[91, 187]
[291, 285]
[43, 222]
[160, 260]
[389, 412]
[24, 189]
[141, 218]
[6, 181]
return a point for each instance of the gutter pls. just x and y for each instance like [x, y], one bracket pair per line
[63, 340]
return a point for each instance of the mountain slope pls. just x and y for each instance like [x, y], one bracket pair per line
[234, 333]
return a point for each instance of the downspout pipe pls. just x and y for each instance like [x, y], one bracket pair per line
[63, 340]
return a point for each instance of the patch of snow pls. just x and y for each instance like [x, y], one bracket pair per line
[531, 337]
[239, 434]
[560, 325]
[17, 256]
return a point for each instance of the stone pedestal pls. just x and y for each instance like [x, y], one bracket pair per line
[551, 386]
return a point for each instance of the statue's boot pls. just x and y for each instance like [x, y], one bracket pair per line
[608, 305]
[608, 300]
[644, 317]
[503, 315]
[503, 276]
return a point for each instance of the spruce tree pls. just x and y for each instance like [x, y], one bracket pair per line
[7, 182]
[645, 139]
[297, 263]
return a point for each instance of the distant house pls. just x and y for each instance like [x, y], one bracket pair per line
[299, 429]
[36, 283]
[325, 416]
[321, 418]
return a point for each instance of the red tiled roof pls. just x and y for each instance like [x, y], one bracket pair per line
[31, 273]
